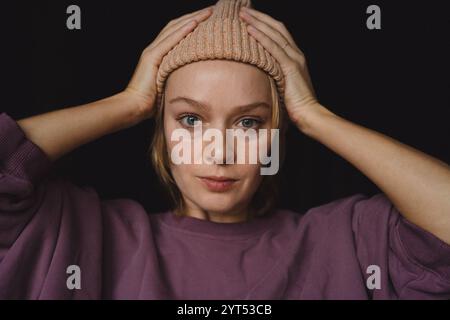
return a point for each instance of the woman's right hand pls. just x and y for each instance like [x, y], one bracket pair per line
[60, 131]
[142, 87]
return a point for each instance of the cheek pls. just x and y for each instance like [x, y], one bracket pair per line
[184, 177]
[252, 181]
[251, 173]
[169, 126]
[178, 171]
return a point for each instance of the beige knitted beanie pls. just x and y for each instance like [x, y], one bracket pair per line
[223, 35]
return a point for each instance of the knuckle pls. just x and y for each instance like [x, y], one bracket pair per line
[172, 22]
[291, 66]
[146, 53]
[279, 23]
[273, 46]
[301, 58]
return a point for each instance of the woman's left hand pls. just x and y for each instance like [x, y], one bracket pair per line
[417, 184]
[299, 95]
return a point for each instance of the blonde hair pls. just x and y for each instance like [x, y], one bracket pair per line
[265, 197]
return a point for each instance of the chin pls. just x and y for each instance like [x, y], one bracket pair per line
[218, 203]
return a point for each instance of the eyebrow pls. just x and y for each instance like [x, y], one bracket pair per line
[205, 106]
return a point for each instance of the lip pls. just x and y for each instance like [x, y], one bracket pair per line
[218, 184]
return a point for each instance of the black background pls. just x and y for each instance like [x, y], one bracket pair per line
[394, 80]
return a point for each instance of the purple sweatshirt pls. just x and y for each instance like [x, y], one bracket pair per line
[356, 247]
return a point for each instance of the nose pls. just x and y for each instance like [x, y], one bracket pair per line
[218, 151]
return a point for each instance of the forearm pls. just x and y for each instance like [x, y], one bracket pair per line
[58, 132]
[416, 183]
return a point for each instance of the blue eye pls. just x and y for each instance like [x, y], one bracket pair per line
[189, 120]
[249, 122]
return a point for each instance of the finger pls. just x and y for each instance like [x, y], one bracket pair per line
[198, 18]
[189, 15]
[174, 24]
[266, 28]
[167, 43]
[278, 25]
[274, 34]
[273, 47]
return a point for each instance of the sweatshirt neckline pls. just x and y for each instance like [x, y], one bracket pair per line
[228, 229]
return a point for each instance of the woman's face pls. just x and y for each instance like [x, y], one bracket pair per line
[222, 95]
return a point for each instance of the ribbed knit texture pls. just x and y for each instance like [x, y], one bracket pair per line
[222, 36]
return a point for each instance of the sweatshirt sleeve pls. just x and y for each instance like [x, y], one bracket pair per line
[22, 167]
[413, 263]
[46, 224]
[19, 156]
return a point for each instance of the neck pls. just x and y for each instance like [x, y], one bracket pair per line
[239, 215]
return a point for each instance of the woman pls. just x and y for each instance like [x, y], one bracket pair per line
[223, 239]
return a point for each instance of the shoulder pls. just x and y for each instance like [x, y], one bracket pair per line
[354, 204]
[126, 211]
[346, 213]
